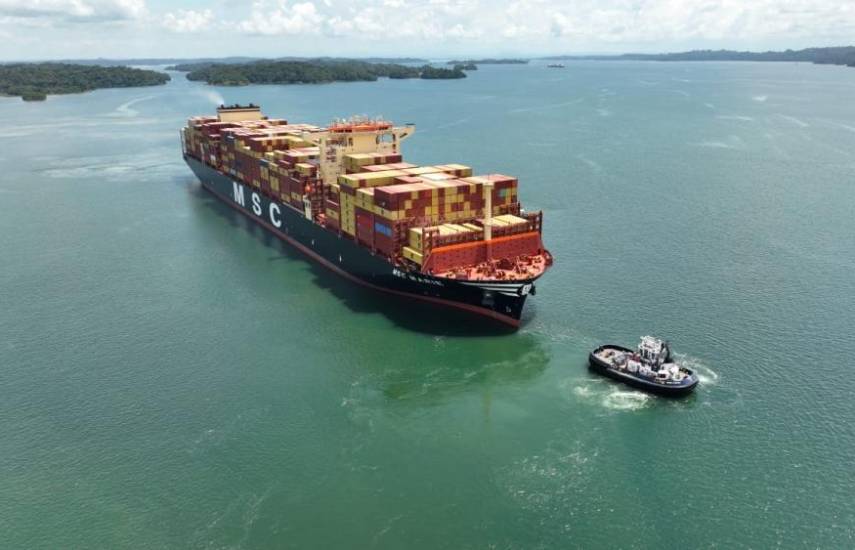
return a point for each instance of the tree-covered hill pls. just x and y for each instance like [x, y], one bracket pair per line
[310, 72]
[34, 81]
[844, 55]
[188, 65]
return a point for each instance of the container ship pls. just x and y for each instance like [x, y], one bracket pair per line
[343, 195]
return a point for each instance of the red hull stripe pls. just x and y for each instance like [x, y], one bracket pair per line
[332, 267]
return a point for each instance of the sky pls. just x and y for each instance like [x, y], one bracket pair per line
[64, 29]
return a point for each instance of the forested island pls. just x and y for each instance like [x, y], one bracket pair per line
[135, 61]
[187, 65]
[825, 56]
[34, 81]
[309, 72]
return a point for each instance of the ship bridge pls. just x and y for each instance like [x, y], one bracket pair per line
[357, 134]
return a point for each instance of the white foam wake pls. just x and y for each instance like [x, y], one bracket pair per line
[621, 400]
[536, 108]
[706, 375]
[606, 394]
[797, 121]
[125, 108]
[740, 118]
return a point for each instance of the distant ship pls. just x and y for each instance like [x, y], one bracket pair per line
[342, 195]
[555, 66]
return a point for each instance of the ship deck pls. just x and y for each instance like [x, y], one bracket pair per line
[521, 269]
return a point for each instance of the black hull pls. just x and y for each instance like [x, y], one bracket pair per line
[665, 390]
[501, 301]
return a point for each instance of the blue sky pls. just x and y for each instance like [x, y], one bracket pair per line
[50, 29]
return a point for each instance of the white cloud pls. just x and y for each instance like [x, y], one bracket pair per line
[79, 10]
[439, 27]
[581, 21]
[374, 20]
[512, 30]
[463, 32]
[561, 25]
[188, 20]
[282, 18]
[711, 20]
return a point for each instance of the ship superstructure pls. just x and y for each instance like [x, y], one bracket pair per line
[344, 195]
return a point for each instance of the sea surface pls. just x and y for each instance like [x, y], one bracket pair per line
[173, 377]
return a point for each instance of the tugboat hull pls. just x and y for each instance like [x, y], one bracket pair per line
[665, 389]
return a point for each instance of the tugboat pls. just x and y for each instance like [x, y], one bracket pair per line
[648, 368]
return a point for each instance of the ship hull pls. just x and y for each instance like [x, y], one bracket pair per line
[501, 301]
[666, 390]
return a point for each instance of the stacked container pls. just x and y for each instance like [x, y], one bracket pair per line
[432, 216]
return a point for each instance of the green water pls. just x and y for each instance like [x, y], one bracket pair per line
[172, 377]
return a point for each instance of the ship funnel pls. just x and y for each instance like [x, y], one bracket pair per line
[239, 113]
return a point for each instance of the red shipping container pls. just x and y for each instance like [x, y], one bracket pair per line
[384, 244]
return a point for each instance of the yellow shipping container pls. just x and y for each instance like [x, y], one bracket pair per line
[370, 179]
[358, 160]
[459, 228]
[303, 154]
[392, 215]
[464, 171]
[415, 239]
[416, 234]
[305, 168]
[418, 171]
[510, 219]
[365, 198]
[495, 222]
[380, 179]
[437, 176]
[294, 142]
[349, 180]
[348, 218]
[413, 255]
[476, 180]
